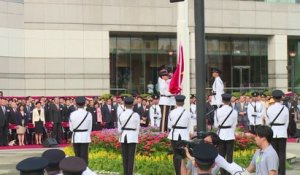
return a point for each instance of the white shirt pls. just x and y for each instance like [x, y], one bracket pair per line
[185, 121]
[283, 118]
[120, 109]
[164, 92]
[260, 112]
[150, 88]
[75, 119]
[155, 111]
[133, 123]
[220, 115]
[218, 88]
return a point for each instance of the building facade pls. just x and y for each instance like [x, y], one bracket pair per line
[91, 47]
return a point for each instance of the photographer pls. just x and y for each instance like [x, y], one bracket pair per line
[220, 162]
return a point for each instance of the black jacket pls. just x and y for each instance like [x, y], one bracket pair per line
[109, 116]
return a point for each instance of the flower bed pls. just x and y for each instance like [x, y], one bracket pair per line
[153, 150]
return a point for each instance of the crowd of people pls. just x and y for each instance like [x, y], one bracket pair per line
[271, 118]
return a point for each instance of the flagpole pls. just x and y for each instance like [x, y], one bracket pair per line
[183, 37]
[200, 64]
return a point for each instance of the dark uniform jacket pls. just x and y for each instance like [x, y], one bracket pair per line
[56, 113]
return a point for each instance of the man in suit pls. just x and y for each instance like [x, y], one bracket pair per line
[145, 120]
[28, 109]
[109, 114]
[56, 117]
[3, 124]
[241, 108]
[137, 107]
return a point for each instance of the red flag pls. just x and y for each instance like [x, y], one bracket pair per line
[175, 84]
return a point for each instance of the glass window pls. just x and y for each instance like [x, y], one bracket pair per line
[240, 47]
[243, 61]
[136, 62]
[213, 47]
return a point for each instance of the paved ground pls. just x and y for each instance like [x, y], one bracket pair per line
[9, 159]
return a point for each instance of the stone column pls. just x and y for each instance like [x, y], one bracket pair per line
[277, 62]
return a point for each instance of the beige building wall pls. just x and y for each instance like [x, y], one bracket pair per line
[61, 47]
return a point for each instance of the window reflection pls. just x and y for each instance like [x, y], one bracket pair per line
[134, 61]
[243, 61]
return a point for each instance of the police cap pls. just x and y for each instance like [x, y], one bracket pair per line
[128, 100]
[72, 166]
[80, 100]
[32, 166]
[179, 98]
[226, 97]
[217, 70]
[254, 94]
[54, 156]
[277, 94]
[205, 153]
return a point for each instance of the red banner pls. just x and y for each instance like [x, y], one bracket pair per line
[175, 84]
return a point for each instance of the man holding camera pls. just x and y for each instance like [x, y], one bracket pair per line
[213, 139]
[226, 121]
[179, 123]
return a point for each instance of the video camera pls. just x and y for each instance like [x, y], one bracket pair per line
[190, 144]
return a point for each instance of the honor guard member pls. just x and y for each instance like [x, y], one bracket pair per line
[54, 156]
[278, 119]
[255, 111]
[166, 101]
[217, 88]
[128, 127]
[121, 107]
[193, 112]
[205, 155]
[81, 123]
[72, 166]
[32, 166]
[226, 121]
[179, 124]
[155, 112]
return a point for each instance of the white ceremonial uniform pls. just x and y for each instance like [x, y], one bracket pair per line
[231, 122]
[155, 115]
[166, 98]
[255, 118]
[184, 123]
[279, 131]
[75, 119]
[120, 110]
[133, 123]
[193, 116]
[218, 89]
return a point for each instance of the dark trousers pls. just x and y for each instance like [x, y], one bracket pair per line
[279, 144]
[57, 130]
[226, 150]
[3, 135]
[176, 146]
[128, 156]
[165, 110]
[109, 125]
[82, 150]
